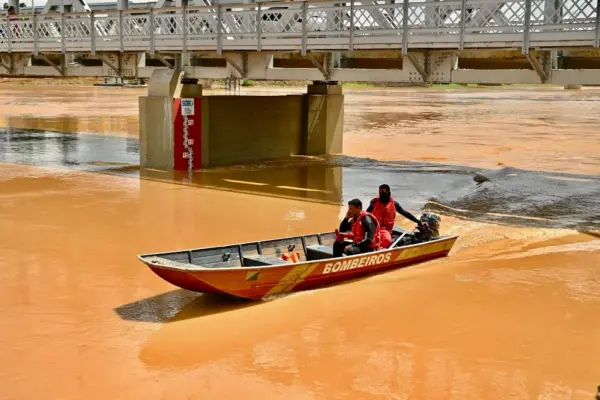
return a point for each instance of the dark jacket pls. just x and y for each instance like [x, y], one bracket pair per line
[368, 225]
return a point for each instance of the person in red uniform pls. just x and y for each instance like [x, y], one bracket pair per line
[364, 228]
[384, 208]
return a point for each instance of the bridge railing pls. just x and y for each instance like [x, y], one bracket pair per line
[310, 25]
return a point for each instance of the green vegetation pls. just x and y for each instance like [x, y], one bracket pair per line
[358, 85]
[450, 85]
[248, 82]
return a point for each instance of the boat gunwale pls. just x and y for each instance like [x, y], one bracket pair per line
[183, 267]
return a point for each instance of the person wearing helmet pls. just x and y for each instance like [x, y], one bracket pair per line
[384, 208]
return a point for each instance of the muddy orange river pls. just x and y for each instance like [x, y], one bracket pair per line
[512, 313]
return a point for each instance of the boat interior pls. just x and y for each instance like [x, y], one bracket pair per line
[264, 253]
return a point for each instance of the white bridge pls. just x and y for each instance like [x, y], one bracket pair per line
[311, 25]
[308, 27]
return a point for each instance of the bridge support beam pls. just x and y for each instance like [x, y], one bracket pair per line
[59, 68]
[8, 63]
[326, 68]
[542, 66]
[239, 62]
[422, 69]
[162, 60]
[14, 63]
[429, 66]
[116, 67]
[121, 65]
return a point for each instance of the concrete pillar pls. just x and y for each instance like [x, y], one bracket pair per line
[336, 59]
[455, 59]
[141, 60]
[324, 119]
[182, 60]
[165, 120]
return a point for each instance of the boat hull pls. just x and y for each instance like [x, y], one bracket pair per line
[269, 281]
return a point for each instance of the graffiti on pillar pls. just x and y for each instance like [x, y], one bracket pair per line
[187, 144]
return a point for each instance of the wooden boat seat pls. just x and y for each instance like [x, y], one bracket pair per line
[259, 260]
[318, 252]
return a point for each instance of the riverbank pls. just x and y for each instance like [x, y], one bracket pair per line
[249, 83]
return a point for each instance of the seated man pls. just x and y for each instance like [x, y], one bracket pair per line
[384, 208]
[364, 228]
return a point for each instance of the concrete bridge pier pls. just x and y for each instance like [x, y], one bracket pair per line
[182, 130]
[170, 126]
[325, 119]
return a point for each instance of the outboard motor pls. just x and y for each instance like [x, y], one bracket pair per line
[430, 228]
[432, 223]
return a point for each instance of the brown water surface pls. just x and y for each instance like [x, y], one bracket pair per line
[512, 313]
[547, 129]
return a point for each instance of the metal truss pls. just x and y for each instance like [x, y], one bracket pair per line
[311, 26]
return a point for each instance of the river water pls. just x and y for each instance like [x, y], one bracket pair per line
[511, 313]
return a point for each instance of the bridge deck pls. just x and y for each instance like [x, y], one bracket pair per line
[311, 26]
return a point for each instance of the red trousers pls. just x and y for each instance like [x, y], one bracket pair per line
[385, 238]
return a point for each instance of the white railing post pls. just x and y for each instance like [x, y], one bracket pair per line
[404, 27]
[152, 45]
[526, 27]
[9, 33]
[121, 33]
[304, 17]
[598, 23]
[36, 44]
[259, 28]
[184, 23]
[219, 31]
[463, 21]
[351, 39]
[530, 26]
[63, 31]
[93, 32]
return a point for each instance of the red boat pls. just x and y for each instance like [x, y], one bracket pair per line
[261, 270]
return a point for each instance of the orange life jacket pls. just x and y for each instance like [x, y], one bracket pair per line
[385, 213]
[292, 256]
[359, 232]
